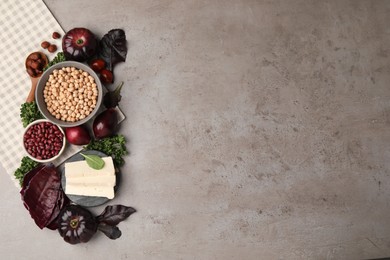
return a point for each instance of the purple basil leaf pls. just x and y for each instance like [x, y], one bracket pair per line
[112, 98]
[113, 215]
[112, 232]
[113, 47]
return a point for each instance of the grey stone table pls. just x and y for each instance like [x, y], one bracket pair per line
[257, 130]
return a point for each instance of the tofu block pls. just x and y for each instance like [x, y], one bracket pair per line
[108, 180]
[82, 169]
[83, 180]
[90, 190]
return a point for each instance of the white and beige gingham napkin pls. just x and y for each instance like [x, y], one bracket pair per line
[24, 25]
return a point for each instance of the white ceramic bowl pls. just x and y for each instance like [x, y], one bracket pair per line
[45, 135]
[40, 100]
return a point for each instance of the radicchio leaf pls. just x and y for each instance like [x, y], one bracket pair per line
[62, 201]
[40, 195]
[111, 232]
[113, 47]
[27, 178]
[113, 215]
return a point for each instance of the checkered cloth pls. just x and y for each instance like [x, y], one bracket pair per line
[24, 25]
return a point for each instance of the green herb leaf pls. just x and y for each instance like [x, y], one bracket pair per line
[29, 112]
[60, 57]
[94, 161]
[26, 165]
[114, 146]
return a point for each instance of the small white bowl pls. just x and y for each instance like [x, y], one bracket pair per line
[48, 145]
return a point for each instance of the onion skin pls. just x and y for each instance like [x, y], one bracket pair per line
[77, 135]
[79, 44]
[105, 124]
[76, 224]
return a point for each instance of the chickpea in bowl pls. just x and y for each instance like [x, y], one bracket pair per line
[69, 93]
[43, 141]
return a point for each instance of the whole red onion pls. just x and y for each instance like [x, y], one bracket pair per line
[79, 44]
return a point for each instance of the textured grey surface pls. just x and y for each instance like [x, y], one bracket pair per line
[257, 130]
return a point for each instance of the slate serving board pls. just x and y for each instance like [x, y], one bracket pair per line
[86, 201]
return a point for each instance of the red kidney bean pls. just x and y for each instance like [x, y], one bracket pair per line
[43, 140]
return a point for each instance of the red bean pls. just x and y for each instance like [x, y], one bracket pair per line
[43, 140]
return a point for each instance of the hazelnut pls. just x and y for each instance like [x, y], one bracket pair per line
[29, 62]
[34, 56]
[34, 65]
[45, 44]
[52, 48]
[31, 72]
[40, 61]
[56, 35]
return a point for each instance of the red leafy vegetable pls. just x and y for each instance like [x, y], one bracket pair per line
[111, 232]
[27, 178]
[113, 215]
[62, 201]
[112, 98]
[41, 194]
[113, 47]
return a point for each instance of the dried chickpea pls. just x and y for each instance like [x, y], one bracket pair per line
[70, 94]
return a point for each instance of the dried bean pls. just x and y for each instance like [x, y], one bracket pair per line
[43, 146]
[62, 100]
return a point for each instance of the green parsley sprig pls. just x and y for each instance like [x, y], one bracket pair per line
[29, 112]
[26, 165]
[114, 146]
[58, 58]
